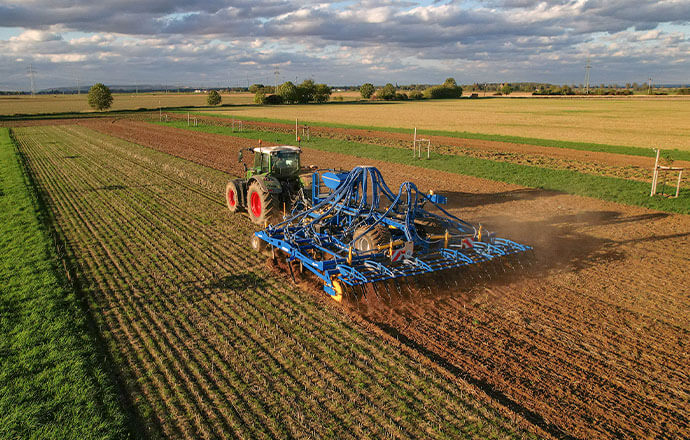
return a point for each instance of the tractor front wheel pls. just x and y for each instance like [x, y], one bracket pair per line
[261, 205]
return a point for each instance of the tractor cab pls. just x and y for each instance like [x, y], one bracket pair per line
[270, 185]
[281, 162]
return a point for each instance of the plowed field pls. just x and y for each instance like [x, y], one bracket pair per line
[590, 343]
[210, 345]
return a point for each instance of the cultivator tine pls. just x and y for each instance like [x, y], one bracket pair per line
[360, 292]
[292, 271]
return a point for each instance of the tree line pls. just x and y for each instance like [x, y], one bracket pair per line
[289, 93]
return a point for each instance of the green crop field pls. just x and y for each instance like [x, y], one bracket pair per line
[659, 122]
[54, 381]
[209, 343]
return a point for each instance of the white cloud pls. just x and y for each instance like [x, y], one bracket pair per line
[367, 40]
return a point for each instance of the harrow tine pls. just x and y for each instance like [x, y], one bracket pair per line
[376, 290]
[388, 289]
[292, 273]
[361, 292]
[409, 289]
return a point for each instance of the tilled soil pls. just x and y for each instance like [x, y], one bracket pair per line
[591, 342]
[207, 343]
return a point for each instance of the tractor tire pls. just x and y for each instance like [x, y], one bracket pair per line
[233, 197]
[379, 235]
[261, 205]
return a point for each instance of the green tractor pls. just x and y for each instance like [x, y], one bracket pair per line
[269, 187]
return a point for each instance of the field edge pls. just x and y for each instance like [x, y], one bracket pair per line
[57, 378]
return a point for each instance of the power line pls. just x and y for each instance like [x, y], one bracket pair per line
[31, 73]
[588, 66]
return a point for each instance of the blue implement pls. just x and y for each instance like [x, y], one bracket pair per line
[355, 231]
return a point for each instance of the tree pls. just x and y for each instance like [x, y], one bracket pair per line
[100, 97]
[306, 91]
[416, 94]
[450, 82]
[288, 91]
[387, 92]
[260, 97]
[448, 90]
[367, 90]
[255, 88]
[322, 93]
[506, 89]
[213, 98]
[273, 100]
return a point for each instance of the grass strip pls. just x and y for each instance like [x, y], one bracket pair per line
[52, 380]
[674, 154]
[572, 182]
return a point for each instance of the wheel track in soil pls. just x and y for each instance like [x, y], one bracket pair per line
[621, 299]
[153, 318]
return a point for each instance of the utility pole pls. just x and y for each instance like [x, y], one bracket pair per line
[588, 66]
[31, 73]
[649, 90]
[276, 73]
[78, 89]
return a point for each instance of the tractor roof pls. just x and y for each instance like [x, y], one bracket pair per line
[277, 148]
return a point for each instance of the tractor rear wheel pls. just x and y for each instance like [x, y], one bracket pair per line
[232, 196]
[261, 205]
[379, 235]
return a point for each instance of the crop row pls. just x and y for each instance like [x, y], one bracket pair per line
[210, 345]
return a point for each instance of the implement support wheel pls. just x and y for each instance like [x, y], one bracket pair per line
[257, 244]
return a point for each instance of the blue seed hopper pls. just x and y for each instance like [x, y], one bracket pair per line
[355, 233]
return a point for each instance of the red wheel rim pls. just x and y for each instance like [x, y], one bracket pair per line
[231, 198]
[256, 204]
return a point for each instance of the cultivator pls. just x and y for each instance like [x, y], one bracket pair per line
[359, 237]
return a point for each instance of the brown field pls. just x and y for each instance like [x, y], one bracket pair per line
[632, 121]
[591, 342]
[11, 105]
[209, 344]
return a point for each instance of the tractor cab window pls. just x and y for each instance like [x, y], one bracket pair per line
[286, 163]
[257, 160]
[265, 161]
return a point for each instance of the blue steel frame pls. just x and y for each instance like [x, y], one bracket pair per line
[322, 237]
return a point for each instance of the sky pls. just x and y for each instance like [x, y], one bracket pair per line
[219, 43]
